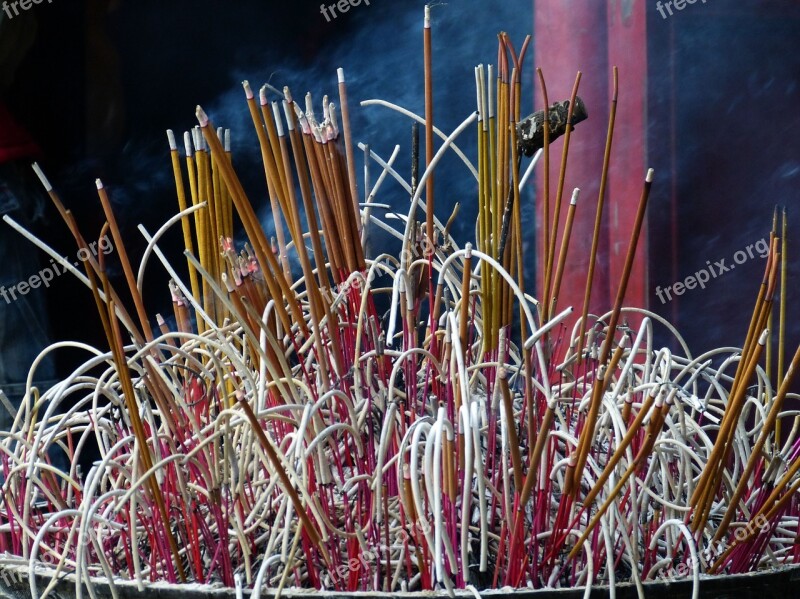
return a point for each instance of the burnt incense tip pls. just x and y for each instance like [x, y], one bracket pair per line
[202, 117]
[248, 91]
[39, 173]
[650, 174]
[340, 75]
[427, 21]
[276, 113]
[576, 192]
[173, 145]
[309, 106]
[334, 121]
[197, 139]
[227, 140]
[287, 112]
[187, 143]
[227, 282]
[99, 183]
[325, 107]
[287, 94]
[262, 95]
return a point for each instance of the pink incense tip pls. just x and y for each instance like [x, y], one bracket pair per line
[340, 74]
[202, 117]
[248, 91]
[39, 173]
[650, 174]
[262, 95]
[173, 145]
[99, 183]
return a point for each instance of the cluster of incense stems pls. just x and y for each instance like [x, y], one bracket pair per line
[283, 432]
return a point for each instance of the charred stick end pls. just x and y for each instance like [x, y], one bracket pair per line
[530, 131]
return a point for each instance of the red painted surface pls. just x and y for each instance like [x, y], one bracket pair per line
[627, 49]
[573, 35]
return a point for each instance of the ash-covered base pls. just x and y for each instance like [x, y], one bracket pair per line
[772, 584]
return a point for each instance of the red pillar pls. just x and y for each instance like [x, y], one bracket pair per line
[573, 35]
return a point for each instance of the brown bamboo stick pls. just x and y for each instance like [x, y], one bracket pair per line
[598, 221]
[551, 251]
[513, 439]
[546, 193]
[123, 258]
[429, 136]
[348, 145]
[562, 255]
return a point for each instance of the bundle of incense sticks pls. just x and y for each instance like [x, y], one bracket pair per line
[283, 431]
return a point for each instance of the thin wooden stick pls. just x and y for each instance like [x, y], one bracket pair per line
[551, 251]
[186, 225]
[562, 255]
[513, 440]
[348, 145]
[546, 191]
[782, 308]
[429, 138]
[126, 265]
[598, 221]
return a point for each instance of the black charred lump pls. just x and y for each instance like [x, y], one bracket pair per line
[530, 131]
